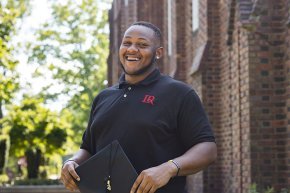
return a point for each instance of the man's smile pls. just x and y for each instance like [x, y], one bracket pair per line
[132, 58]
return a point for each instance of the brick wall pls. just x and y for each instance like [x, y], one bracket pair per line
[238, 61]
[113, 60]
[288, 103]
[244, 112]
[226, 97]
[212, 94]
[268, 98]
[184, 37]
[287, 72]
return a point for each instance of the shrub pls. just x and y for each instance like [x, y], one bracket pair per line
[3, 179]
[253, 189]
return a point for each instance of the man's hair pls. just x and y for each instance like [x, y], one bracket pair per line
[156, 30]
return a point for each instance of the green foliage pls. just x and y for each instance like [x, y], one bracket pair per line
[3, 179]
[269, 190]
[77, 37]
[32, 126]
[10, 12]
[254, 189]
[35, 132]
[285, 190]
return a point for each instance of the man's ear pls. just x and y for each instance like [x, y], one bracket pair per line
[159, 52]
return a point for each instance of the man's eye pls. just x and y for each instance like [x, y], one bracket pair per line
[126, 43]
[142, 45]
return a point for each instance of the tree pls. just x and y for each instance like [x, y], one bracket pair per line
[77, 39]
[35, 132]
[10, 11]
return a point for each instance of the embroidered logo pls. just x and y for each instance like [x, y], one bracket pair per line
[149, 99]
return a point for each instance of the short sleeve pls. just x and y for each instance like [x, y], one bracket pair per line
[193, 124]
[87, 139]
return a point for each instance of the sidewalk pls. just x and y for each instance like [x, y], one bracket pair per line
[35, 189]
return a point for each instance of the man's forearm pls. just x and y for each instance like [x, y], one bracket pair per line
[197, 158]
[80, 156]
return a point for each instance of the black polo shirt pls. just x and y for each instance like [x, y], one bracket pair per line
[155, 120]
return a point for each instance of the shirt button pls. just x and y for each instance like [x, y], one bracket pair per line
[125, 95]
[129, 88]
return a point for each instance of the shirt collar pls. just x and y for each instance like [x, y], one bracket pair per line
[152, 77]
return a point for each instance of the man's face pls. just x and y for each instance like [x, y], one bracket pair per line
[138, 50]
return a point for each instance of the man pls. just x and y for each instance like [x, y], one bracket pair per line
[159, 122]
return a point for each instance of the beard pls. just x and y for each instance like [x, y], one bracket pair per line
[142, 70]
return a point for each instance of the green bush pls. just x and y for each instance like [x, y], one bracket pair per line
[3, 179]
[253, 189]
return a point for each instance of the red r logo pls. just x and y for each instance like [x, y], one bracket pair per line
[149, 99]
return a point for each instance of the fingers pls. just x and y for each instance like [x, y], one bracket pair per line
[73, 173]
[151, 179]
[147, 189]
[68, 182]
[143, 188]
[136, 184]
[68, 174]
[143, 184]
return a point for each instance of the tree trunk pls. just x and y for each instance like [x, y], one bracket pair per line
[3, 144]
[2, 155]
[33, 162]
[1, 112]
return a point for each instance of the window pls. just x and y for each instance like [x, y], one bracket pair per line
[195, 15]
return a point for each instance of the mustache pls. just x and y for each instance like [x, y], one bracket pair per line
[144, 69]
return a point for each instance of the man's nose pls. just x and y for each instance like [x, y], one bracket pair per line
[132, 48]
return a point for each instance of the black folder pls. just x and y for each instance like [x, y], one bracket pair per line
[109, 170]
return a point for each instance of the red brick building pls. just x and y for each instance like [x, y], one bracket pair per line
[236, 55]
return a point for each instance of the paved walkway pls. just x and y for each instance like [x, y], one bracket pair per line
[35, 189]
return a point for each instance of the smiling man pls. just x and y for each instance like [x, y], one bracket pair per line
[159, 122]
[139, 51]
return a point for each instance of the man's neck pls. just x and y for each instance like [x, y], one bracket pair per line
[134, 79]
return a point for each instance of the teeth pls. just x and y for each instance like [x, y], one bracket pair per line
[132, 58]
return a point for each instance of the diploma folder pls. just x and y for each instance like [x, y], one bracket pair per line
[108, 171]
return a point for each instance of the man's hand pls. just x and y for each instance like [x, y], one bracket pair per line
[68, 174]
[153, 178]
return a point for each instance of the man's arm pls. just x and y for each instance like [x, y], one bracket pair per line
[197, 158]
[194, 160]
[68, 169]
